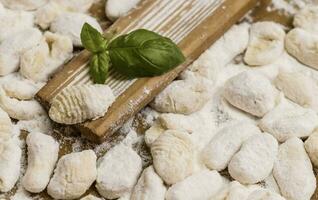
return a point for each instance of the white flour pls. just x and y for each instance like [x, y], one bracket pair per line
[290, 6]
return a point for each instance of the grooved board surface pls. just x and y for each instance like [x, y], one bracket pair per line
[193, 24]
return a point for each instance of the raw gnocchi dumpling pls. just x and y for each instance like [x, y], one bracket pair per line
[41, 61]
[237, 191]
[24, 4]
[200, 186]
[266, 43]
[45, 15]
[153, 133]
[149, 186]
[221, 53]
[16, 86]
[74, 174]
[251, 92]
[118, 172]
[182, 96]
[10, 160]
[117, 8]
[307, 19]
[12, 22]
[293, 171]
[42, 156]
[70, 24]
[264, 194]
[90, 197]
[92, 101]
[254, 162]
[311, 146]
[289, 120]
[21, 110]
[173, 156]
[14, 46]
[218, 153]
[6, 125]
[303, 45]
[299, 88]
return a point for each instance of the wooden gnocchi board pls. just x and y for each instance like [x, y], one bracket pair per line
[193, 24]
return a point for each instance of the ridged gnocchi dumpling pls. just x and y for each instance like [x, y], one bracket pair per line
[303, 45]
[266, 43]
[182, 96]
[251, 92]
[76, 104]
[173, 156]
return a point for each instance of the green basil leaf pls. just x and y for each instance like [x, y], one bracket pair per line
[99, 65]
[92, 40]
[144, 53]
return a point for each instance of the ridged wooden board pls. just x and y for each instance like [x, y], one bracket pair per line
[193, 24]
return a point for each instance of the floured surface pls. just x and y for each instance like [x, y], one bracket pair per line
[217, 111]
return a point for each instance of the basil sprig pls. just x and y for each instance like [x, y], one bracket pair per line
[140, 53]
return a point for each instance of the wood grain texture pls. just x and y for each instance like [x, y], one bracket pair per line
[143, 90]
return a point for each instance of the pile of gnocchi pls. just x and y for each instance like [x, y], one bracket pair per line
[240, 123]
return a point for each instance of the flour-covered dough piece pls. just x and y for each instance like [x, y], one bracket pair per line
[299, 88]
[41, 61]
[23, 4]
[182, 96]
[293, 171]
[149, 186]
[153, 133]
[307, 19]
[90, 197]
[21, 110]
[289, 120]
[118, 8]
[173, 156]
[10, 158]
[237, 191]
[91, 102]
[70, 24]
[255, 160]
[74, 174]
[118, 172]
[41, 124]
[303, 45]
[264, 194]
[12, 22]
[42, 156]
[221, 53]
[251, 92]
[45, 15]
[266, 43]
[200, 186]
[18, 87]
[218, 153]
[311, 146]
[14, 46]
[6, 125]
